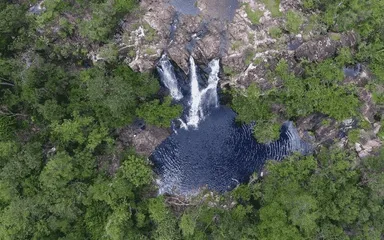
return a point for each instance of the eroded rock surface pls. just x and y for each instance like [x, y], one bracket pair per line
[324, 47]
[368, 143]
[248, 51]
[144, 139]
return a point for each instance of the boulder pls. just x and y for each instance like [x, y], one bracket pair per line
[144, 139]
[324, 130]
[317, 50]
[368, 108]
[368, 142]
[325, 47]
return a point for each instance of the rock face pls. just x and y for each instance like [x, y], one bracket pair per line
[248, 51]
[368, 141]
[368, 109]
[221, 29]
[144, 139]
[366, 149]
[163, 29]
[322, 133]
[323, 48]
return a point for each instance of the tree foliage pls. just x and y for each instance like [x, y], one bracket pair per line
[63, 174]
[159, 114]
[253, 105]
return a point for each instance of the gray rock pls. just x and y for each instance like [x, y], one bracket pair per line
[348, 39]
[325, 130]
[290, 4]
[37, 8]
[219, 9]
[324, 47]
[143, 140]
[368, 146]
[368, 109]
[316, 51]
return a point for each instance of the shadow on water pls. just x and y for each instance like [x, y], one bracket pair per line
[294, 44]
[352, 71]
[222, 9]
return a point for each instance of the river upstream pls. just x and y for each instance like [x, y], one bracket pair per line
[222, 9]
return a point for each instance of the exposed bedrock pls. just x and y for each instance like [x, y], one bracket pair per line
[324, 47]
[144, 139]
[210, 29]
[222, 29]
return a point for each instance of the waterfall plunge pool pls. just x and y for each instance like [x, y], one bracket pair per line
[210, 149]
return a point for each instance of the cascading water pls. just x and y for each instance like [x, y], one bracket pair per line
[207, 97]
[211, 91]
[168, 77]
[216, 152]
[195, 110]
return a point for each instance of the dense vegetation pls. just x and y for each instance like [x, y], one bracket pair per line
[318, 90]
[59, 114]
[320, 87]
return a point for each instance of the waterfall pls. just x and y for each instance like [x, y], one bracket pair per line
[195, 110]
[207, 97]
[211, 91]
[201, 101]
[207, 147]
[168, 77]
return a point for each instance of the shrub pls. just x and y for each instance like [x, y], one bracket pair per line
[253, 15]
[275, 32]
[293, 22]
[159, 114]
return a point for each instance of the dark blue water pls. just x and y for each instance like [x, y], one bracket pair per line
[222, 9]
[219, 154]
[294, 44]
[352, 71]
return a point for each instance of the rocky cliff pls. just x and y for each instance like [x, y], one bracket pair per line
[249, 37]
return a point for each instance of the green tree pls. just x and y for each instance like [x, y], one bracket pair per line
[136, 171]
[158, 114]
[255, 106]
[7, 125]
[58, 172]
[104, 18]
[166, 223]
[115, 98]
[72, 130]
[319, 91]
[12, 23]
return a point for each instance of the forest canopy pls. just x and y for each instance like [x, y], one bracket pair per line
[63, 174]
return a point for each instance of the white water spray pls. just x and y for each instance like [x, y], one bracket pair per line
[207, 97]
[200, 100]
[195, 106]
[169, 79]
[213, 80]
[182, 124]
